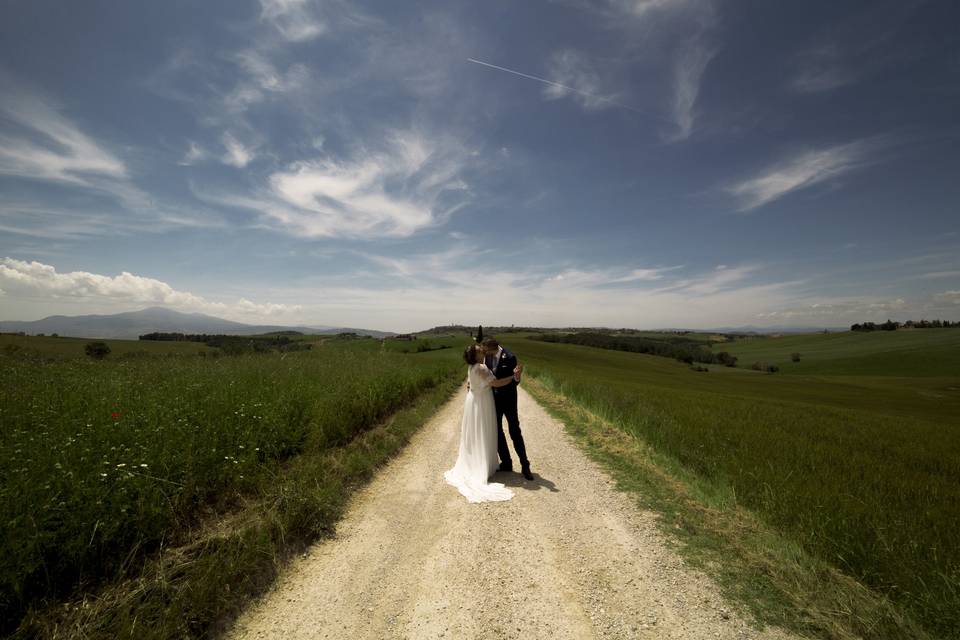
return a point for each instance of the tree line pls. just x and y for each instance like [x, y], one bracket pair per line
[234, 344]
[682, 349]
[890, 325]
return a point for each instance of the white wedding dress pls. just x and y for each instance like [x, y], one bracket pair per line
[477, 459]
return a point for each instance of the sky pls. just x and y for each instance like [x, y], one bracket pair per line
[401, 165]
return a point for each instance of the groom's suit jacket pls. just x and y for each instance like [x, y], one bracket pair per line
[504, 369]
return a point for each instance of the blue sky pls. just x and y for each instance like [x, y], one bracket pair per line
[659, 163]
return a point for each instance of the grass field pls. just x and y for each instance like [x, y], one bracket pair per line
[109, 461]
[861, 471]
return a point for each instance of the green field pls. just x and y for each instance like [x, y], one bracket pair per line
[106, 462]
[906, 353]
[68, 348]
[861, 471]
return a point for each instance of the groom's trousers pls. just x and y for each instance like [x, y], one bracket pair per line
[507, 406]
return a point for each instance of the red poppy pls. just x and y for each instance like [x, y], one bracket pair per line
[115, 415]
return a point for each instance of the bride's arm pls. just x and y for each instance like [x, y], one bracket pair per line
[502, 382]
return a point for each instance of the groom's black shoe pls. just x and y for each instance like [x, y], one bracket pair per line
[525, 470]
[505, 467]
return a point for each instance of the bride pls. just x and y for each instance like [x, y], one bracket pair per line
[477, 459]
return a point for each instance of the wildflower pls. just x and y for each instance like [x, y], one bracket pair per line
[115, 415]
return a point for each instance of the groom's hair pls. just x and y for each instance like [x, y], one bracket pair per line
[471, 355]
[491, 343]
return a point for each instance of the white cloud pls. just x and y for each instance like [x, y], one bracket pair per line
[939, 274]
[801, 171]
[394, 191]
[950, 297]
[36, 279]
[195, 153]
[237, 154]
[464, 285]
[608, 277]
[842, 310]
[473, 294]
[643, 9]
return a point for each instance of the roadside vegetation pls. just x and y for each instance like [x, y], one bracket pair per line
[153, 492]
[860, 473]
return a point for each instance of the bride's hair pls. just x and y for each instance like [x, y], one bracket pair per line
[471, 355]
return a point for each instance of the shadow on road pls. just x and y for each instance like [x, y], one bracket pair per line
[513, 479]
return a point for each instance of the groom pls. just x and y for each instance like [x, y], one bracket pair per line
[503, 363]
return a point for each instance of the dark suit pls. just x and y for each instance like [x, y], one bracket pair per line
[505, 398]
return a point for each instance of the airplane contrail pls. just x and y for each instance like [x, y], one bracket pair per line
[555, 84]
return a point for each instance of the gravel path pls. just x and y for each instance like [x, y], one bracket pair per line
[568, 557]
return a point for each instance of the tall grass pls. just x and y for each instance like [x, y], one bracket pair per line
[876, 496]
[107, 461]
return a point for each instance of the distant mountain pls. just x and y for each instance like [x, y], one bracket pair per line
[132, 324]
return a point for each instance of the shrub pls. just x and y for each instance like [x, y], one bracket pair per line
[97, 350]
[795, 357]
[758, 366]
[772, 368]
[726, 359]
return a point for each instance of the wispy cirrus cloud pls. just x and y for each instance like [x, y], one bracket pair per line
[690, 64]
[684, 29]
[394, 191]
[820, 69]
[261, 78]
[932, 275]
[803, 170]
[302, 20]
[48, 146]
[720, 278]
[611, 277]
[26, 279]
[294, 20]
[571, 74]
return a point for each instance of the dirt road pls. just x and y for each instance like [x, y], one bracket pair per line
[568, 557]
